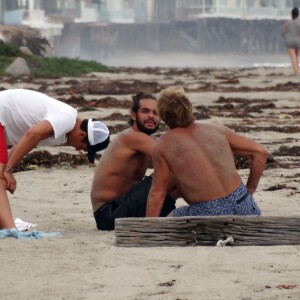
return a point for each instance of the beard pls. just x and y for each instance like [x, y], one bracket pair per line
[144, 129]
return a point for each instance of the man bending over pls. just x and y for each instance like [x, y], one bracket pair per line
[201, 158]
[120, 187]
[28, 119]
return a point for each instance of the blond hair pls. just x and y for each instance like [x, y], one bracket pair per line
[174, 107]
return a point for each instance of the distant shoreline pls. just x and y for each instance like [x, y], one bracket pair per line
[186, 60]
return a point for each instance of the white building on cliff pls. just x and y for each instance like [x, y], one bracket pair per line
[50, 15]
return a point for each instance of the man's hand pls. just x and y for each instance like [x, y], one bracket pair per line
[11, 182]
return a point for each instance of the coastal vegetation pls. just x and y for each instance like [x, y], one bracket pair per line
[7, 55]
[63, 66]
[49, 66]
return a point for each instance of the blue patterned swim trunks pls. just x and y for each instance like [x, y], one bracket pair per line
[239, 202]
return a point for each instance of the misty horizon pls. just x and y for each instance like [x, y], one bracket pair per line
[217, 42]
[187, 60]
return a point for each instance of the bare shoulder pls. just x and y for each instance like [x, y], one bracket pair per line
[165, 139]
[221, 128]
[132, 136]
[137, 141]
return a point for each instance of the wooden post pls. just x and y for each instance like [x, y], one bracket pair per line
[207, 231]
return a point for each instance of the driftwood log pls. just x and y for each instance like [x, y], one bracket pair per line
[207, 231]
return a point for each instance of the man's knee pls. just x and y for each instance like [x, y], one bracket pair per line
[103, 218]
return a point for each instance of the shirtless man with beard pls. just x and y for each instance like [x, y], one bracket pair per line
[120, 187]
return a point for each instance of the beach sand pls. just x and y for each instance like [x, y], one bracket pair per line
[84, 263]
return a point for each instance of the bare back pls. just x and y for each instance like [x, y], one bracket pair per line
[211, 171]
[123, 163]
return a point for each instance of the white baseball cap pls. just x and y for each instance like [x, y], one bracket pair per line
[98, 137]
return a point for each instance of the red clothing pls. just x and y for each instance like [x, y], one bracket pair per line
[3, 146]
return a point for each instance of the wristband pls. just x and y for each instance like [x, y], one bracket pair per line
[8, 169]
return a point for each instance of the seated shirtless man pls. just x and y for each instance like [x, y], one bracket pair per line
[201, 158]
[120, 187]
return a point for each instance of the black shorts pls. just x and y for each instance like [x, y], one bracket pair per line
[131, 205]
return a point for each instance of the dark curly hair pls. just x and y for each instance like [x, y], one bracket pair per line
[295, 13]
[136, 103]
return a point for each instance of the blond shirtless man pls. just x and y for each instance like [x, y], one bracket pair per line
[120, 187]
[201, 158]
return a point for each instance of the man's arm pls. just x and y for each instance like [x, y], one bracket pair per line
[257, 153]
[140, 142]
[28, 141]
[160, 181]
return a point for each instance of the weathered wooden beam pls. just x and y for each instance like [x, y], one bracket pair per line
[207, 231]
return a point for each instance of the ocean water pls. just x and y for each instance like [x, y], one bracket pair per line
[183, 60]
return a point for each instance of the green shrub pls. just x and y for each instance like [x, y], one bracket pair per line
[49, 67]
[7, 55]
[63, 66]
[7, 50]
[4, 63]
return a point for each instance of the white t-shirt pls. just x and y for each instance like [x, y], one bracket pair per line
[21, 109]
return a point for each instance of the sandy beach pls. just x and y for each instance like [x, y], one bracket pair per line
[84, 263]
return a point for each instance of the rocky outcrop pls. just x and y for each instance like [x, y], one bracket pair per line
[18, 68]
[28, 40]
